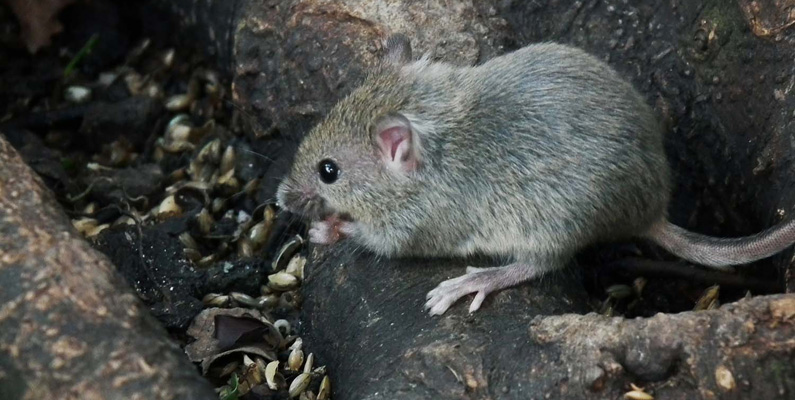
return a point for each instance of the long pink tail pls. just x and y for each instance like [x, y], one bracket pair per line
[722, 252]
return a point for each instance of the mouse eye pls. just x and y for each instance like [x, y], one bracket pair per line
[329, 171]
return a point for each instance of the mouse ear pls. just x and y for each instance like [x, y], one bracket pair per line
[398, 144]
[398, 49]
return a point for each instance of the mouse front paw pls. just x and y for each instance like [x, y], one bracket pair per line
[329, 231]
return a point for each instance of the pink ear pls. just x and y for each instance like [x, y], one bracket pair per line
[396, 142]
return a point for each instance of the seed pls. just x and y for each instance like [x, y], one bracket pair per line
[192, 254]
[173, 147]
[215, 300]
[205, 221]
[282, 281]
[308, 395]
[295, 359]
[77, 94]
[267, 302]
[639, 284]
[310, 363]
[228, 183]
[107, 78]
[638, 395]
[188, 241]
[274, 379]
[259, 233]
[134, 82]
[296, 267]
[96, 230]
[324, 393]
[286, 252]
[90, 208]
[709, 300]
[124, 220]
[243, 299]
[168, 58]
[265, 290]
[83, 225]
[206, 261]
[724, 378]
[251, 187]
[228, 160]
[244, 248]
[168, 208]
[619, 291]
[179, 121]
[211, 152]
[299, 384]
[179, 102]
[154, 91]
[218, 205]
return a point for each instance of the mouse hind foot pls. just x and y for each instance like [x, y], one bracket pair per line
[482, 282]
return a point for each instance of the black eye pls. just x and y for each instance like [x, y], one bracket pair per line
[329, 171]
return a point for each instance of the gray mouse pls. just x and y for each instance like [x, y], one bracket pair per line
[528, 157]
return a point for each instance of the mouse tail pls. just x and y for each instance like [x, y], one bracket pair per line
[722, 252]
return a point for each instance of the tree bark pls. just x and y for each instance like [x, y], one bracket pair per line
[70, 327]
[718, 81]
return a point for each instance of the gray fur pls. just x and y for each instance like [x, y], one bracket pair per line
[528, 157]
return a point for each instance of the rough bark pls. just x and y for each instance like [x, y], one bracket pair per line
[70, 327]
[365, 317]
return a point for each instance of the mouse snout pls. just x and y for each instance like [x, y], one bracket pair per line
[302, 200]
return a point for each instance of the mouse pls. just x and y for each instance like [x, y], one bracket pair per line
[527, 158]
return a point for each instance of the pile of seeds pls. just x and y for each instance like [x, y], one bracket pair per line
[192, 171]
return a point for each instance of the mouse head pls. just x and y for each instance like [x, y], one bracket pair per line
[364, 155]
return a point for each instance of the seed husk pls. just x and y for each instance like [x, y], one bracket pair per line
[168, 58]
[619, 291]
[286, 252]
[299, 384]
[211, 152]
[638, 285]
[244, 248]
[218, 205]
[267, 302]
[173, 147]
[243, 299]
[228, 160]
[259, 233]
[274, 379]
[282, 281]
[638, 395]
[324, 393]
[215, 300]
[228, 183]
[96, 230]
[283, 326]
[205, 221]
[179, 102]
[188, 241]
[206, 261]
[709, 300]
[296, 267]
[83, 225]
[310, 363]
[77, 94]
[168, 208]
[192, 254]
